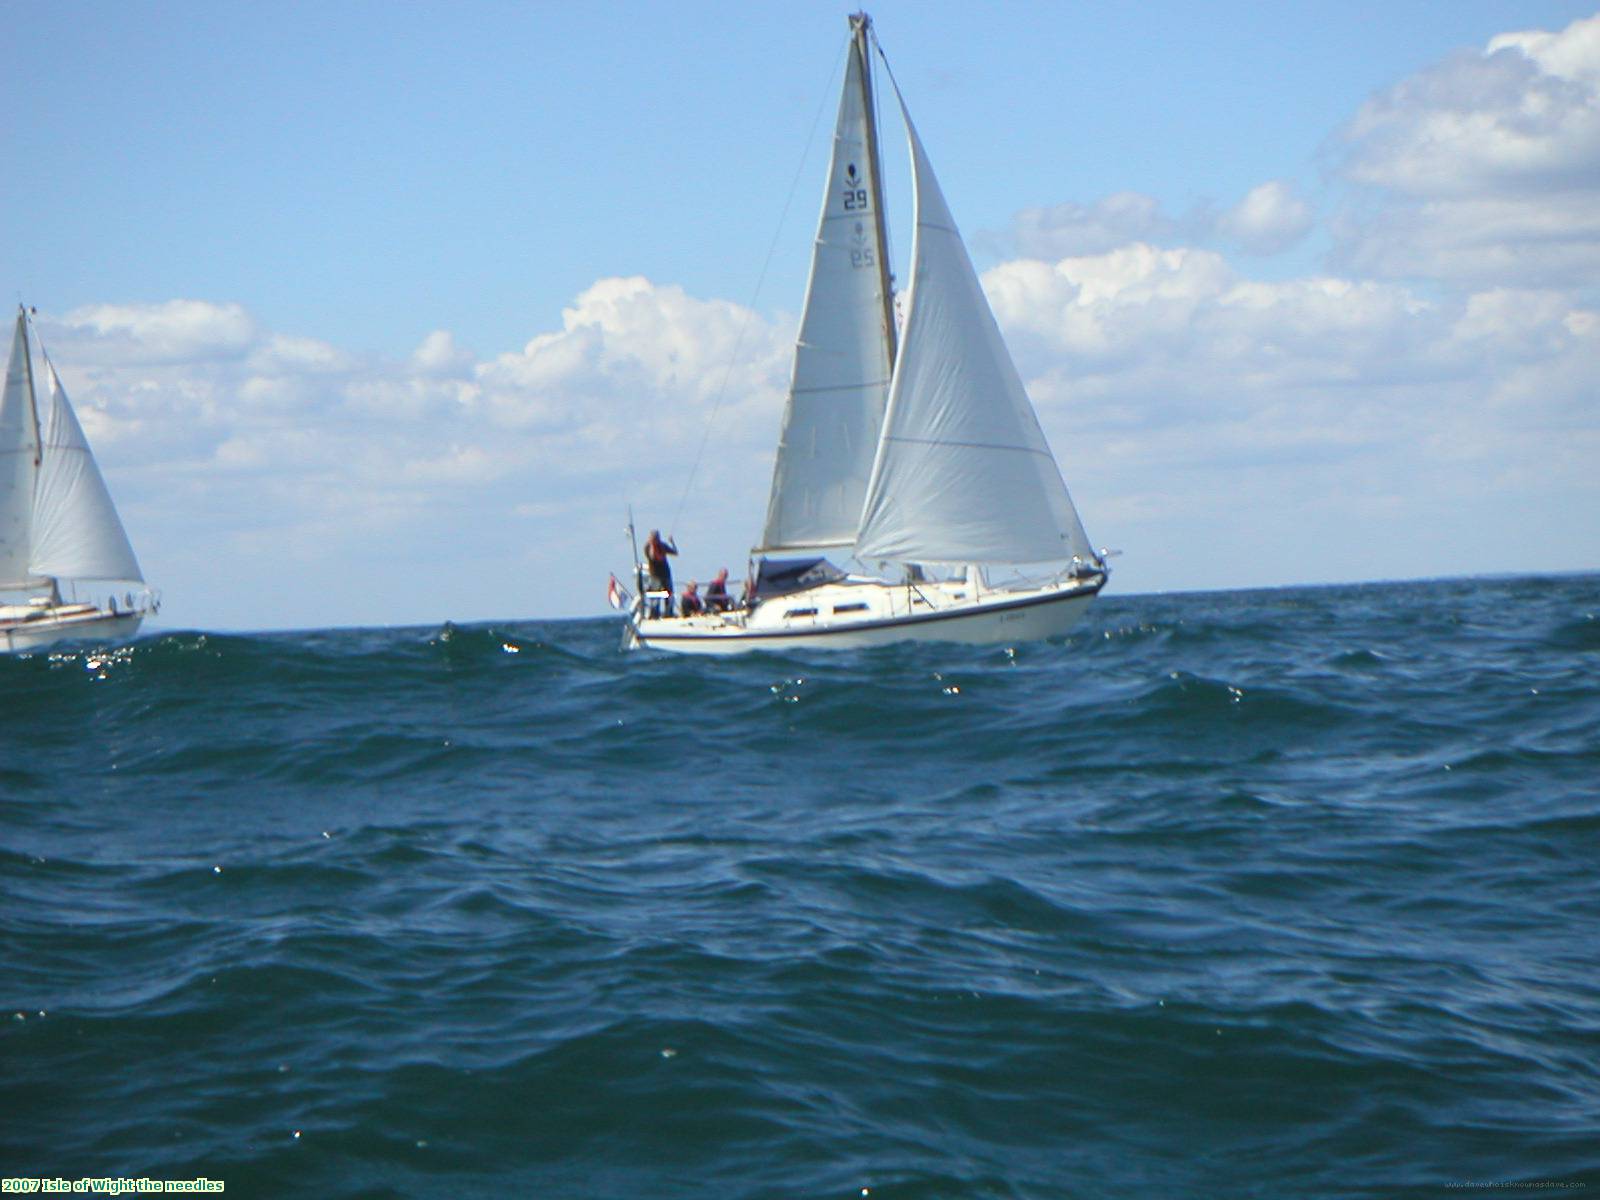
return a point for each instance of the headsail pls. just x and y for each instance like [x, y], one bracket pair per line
[19, 460]
[963, 471]
[842, 362]
[77, 533]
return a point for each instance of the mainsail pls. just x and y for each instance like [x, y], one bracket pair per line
[19, 464]
[842, 362]
[57, 520]
[963, 472]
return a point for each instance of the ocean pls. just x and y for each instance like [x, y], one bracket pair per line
[1263, 893]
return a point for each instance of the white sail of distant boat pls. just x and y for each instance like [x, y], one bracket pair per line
[922, 462]
[57, 521]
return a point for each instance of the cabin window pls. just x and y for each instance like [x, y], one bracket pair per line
[800, 612]
[849, 608]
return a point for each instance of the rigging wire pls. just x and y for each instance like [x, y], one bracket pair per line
[749, 312]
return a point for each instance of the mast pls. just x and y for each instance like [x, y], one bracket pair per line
[38, 437]
[860, 23]
[33, 399]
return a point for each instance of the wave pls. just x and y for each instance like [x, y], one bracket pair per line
[1221, 890]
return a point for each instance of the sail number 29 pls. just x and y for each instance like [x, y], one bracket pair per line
[855, 200]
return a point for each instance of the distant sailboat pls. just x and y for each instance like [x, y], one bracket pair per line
[922, 461]
[57, 521]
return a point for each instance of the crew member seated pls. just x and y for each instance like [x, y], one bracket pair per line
[717, 598]
[690, 604]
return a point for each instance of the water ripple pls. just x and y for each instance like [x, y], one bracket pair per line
[1222, 895]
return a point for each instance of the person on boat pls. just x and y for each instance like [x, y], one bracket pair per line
[655, 557]
[717, 598]
[691, 605]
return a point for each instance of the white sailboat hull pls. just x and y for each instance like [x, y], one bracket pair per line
[69, 625]
[878, 614]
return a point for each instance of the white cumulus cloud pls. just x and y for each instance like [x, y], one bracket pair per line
[1060, 230]
[1219, 425]
[1270, 218]
[266, 456]
[176, 331]
[1484, 168]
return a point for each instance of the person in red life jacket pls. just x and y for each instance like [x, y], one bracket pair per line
[691, 604]
[717, 599]
[655, 557]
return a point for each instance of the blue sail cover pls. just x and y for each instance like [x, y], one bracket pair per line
[780, 576]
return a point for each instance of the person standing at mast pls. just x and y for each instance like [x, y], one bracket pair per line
[655, 557]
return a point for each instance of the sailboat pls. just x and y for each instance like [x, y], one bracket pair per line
[911, 455]
[57, 521]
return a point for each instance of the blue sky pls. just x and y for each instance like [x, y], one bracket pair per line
[1302, 292]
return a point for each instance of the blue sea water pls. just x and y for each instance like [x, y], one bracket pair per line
[1271, 893]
